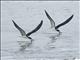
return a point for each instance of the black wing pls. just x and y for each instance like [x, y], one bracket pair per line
[65, 22]
[21, 30]
[36, 29]
[51, 20]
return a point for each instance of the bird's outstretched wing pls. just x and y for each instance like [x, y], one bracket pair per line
[20, 29]
[65, 22]
[36, 29]
[51, 20]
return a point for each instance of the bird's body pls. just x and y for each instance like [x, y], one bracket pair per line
[51, 32]
[54, 30]
[24, 42]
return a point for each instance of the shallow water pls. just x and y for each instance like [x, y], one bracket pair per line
[28, 15]
[60, 48]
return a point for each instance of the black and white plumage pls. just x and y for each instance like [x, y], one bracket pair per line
[27, 40]
[58, 26]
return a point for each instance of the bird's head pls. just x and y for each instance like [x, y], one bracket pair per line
[30, 38]
[59, 32]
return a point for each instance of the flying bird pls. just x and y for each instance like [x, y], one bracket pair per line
[53, 26]
[26, 40]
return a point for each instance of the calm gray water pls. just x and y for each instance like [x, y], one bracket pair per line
[23, 13]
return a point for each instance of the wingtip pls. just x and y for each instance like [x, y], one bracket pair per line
[13, 21]
[72, 15]
[41, 20]
[45, 11]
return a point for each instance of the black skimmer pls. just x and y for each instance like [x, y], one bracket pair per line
[26, 40]
[56, 28]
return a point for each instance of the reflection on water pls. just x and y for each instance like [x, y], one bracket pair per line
[30, 54]
[55, 48]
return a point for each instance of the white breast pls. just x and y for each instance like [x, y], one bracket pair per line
[23, 41]
[51, 32]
